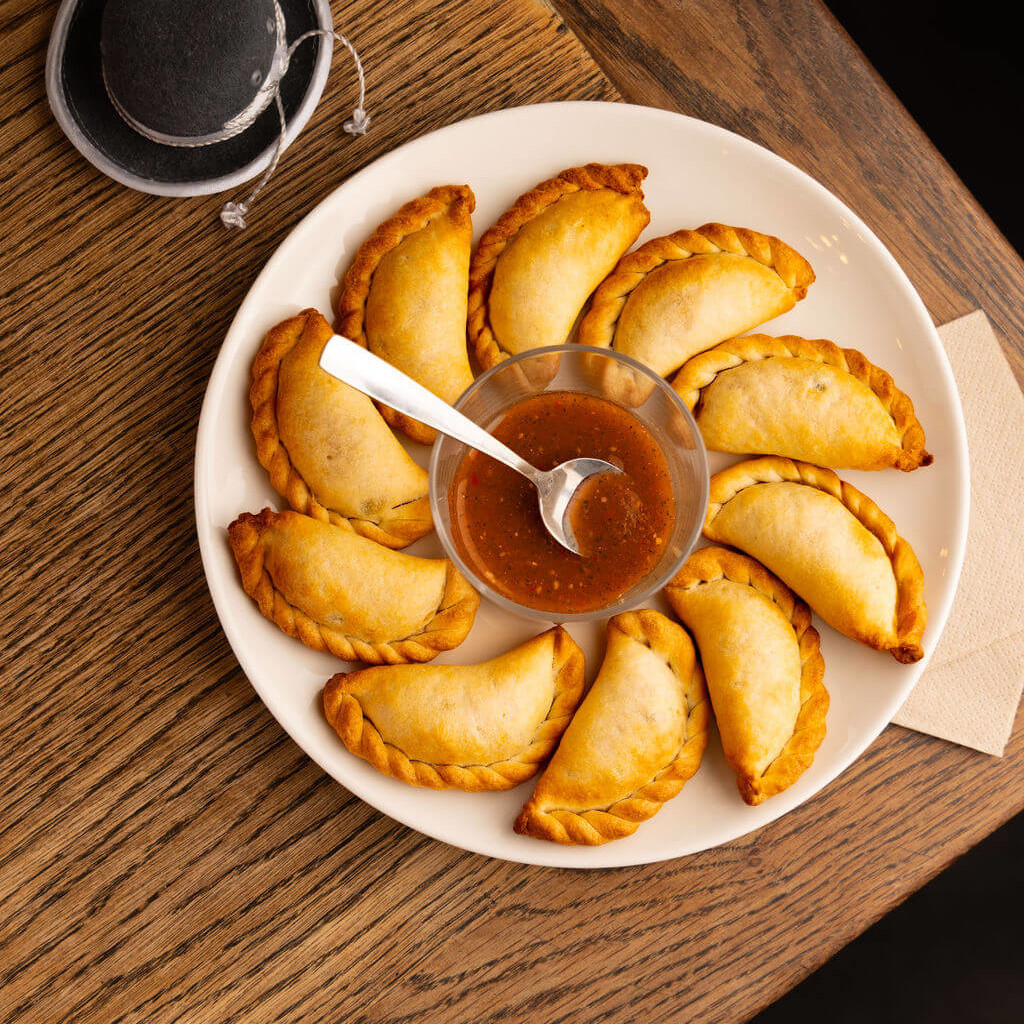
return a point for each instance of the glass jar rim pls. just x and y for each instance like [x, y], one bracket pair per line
[646, 588]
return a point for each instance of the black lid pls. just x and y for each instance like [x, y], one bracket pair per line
[84, 110]
[187, 68]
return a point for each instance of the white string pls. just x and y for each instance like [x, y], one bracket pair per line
[233, 214]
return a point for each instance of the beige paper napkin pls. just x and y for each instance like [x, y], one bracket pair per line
[972, 686]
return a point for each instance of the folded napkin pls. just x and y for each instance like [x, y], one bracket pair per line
[972, 686]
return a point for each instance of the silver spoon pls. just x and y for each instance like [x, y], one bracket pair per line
[371, 375]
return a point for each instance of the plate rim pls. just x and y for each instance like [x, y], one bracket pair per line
[937, 616]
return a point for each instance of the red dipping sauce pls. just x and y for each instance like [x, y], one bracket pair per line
[622, 521]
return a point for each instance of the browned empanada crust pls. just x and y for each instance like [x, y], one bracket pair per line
[456, 202]
[707, 565]
[601, 321]
[623, 178]
[911, 612]
[700, 372]
[448, 627]
[395, 526]
[546, 816]
[346, 716]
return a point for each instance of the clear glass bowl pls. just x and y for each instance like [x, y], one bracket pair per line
[606, 374]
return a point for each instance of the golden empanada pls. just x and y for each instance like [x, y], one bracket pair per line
[678, 295]
[636, 739]
[533, 271]
[472, 727]
[404, 296]
[805, 399]
[762, 663]
[339, 592]
[833, 545]
[325, 445]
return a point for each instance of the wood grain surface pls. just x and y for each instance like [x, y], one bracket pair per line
[167, 854]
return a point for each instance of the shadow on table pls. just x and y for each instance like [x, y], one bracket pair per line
[953, 952]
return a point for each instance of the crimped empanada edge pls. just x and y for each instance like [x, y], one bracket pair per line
[361, 737]
[600, 825]
[911, 611]
[710, 564]
[700, 371]
[600, 323]
[413, 216]
[448, 627]
[401, 525]
[624, 178]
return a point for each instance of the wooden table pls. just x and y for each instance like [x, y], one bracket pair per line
[167, 853]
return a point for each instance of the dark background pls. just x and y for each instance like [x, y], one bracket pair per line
[959, 69]
[955, 950]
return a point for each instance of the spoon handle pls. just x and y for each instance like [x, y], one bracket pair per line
[364, 371]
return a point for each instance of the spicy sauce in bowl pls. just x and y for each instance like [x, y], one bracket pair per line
[622, 521]
[635, 528]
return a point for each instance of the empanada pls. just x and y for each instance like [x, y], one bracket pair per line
[763, 666]
[805, 399]
[404, 296]
[833, 545]
[471, 727]
[678, 295]
[339, 592]
[325, 445]
[533, 271]
[636, 739]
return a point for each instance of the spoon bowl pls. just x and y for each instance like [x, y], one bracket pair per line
[555, 490]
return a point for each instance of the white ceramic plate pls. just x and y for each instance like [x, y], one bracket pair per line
[698, 173]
